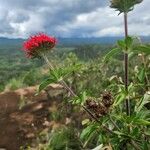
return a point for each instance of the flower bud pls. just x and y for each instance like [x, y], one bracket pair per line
[124, 5]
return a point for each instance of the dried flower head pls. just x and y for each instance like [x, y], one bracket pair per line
[107, 99]
[37, 44]
[124, 5]
[99, 107]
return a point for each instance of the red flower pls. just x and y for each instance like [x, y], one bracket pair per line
[37, 44]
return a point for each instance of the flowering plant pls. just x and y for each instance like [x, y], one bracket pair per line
[111, 123]
[37, 44]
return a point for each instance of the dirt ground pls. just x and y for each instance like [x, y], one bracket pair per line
[19, 123]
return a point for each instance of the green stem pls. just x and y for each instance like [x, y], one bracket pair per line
[47, 61]
[64, 84]
[136, 147]
[112, 121]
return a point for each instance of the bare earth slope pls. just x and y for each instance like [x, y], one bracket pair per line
[19, 127]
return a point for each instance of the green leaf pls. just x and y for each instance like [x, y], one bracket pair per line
[121, 44]
[55, 74]
[129, 42]
[125, 44]
[142, 49]
[83, 96]
[45, 83]
[135, 131]
[88, 131]
[124, 5]
[119, 133]
[145, 100]
[99, 147]
[141, 75]
[85, 121]
[66, 71]
[131, 55]
[146, 145]
[111, 53]
[141, 122]
[79, 99]
[75, 100]
[143, 114]
[120, 97]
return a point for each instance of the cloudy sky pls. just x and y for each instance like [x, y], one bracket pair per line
[69, 18]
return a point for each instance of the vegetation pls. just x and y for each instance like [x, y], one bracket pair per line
[17, 71]
[113, 124]
[13, 66]
[107, 94]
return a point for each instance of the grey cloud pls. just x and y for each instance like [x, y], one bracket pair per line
[17, 17]
[105, 22]
[66, 10]
[23, 4]
[5, 28]
[50, 13]
[80, 18]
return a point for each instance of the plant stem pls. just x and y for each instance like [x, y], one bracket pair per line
[88, 111]
[112, 121]
[126, 65]
[136, 147]
[47, 61]
[64, 84]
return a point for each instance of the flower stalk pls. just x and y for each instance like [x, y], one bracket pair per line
[64, 84]
[126, 65]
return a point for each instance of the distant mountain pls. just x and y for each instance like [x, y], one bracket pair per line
[100, 40]
[7, 41]
[78, 41]
[73, 41]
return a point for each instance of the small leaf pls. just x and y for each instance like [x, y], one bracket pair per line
[141, 75]
[141, 122]
[75, 100]
[88, 131]
[45, 83]
[98, 147]
[129, 42]
[143, 49]
[135, 131]
[143, 101]
[121, 44]
[65, 71]
[83, 96]
[111, 53]
[121, 96]
[146, 145]
[85, 121]
[131, 55]
[119, 133]
[124, 5]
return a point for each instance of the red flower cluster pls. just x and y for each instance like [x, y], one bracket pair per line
[37, 44]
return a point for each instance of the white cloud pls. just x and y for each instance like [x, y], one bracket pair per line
[80, 18]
